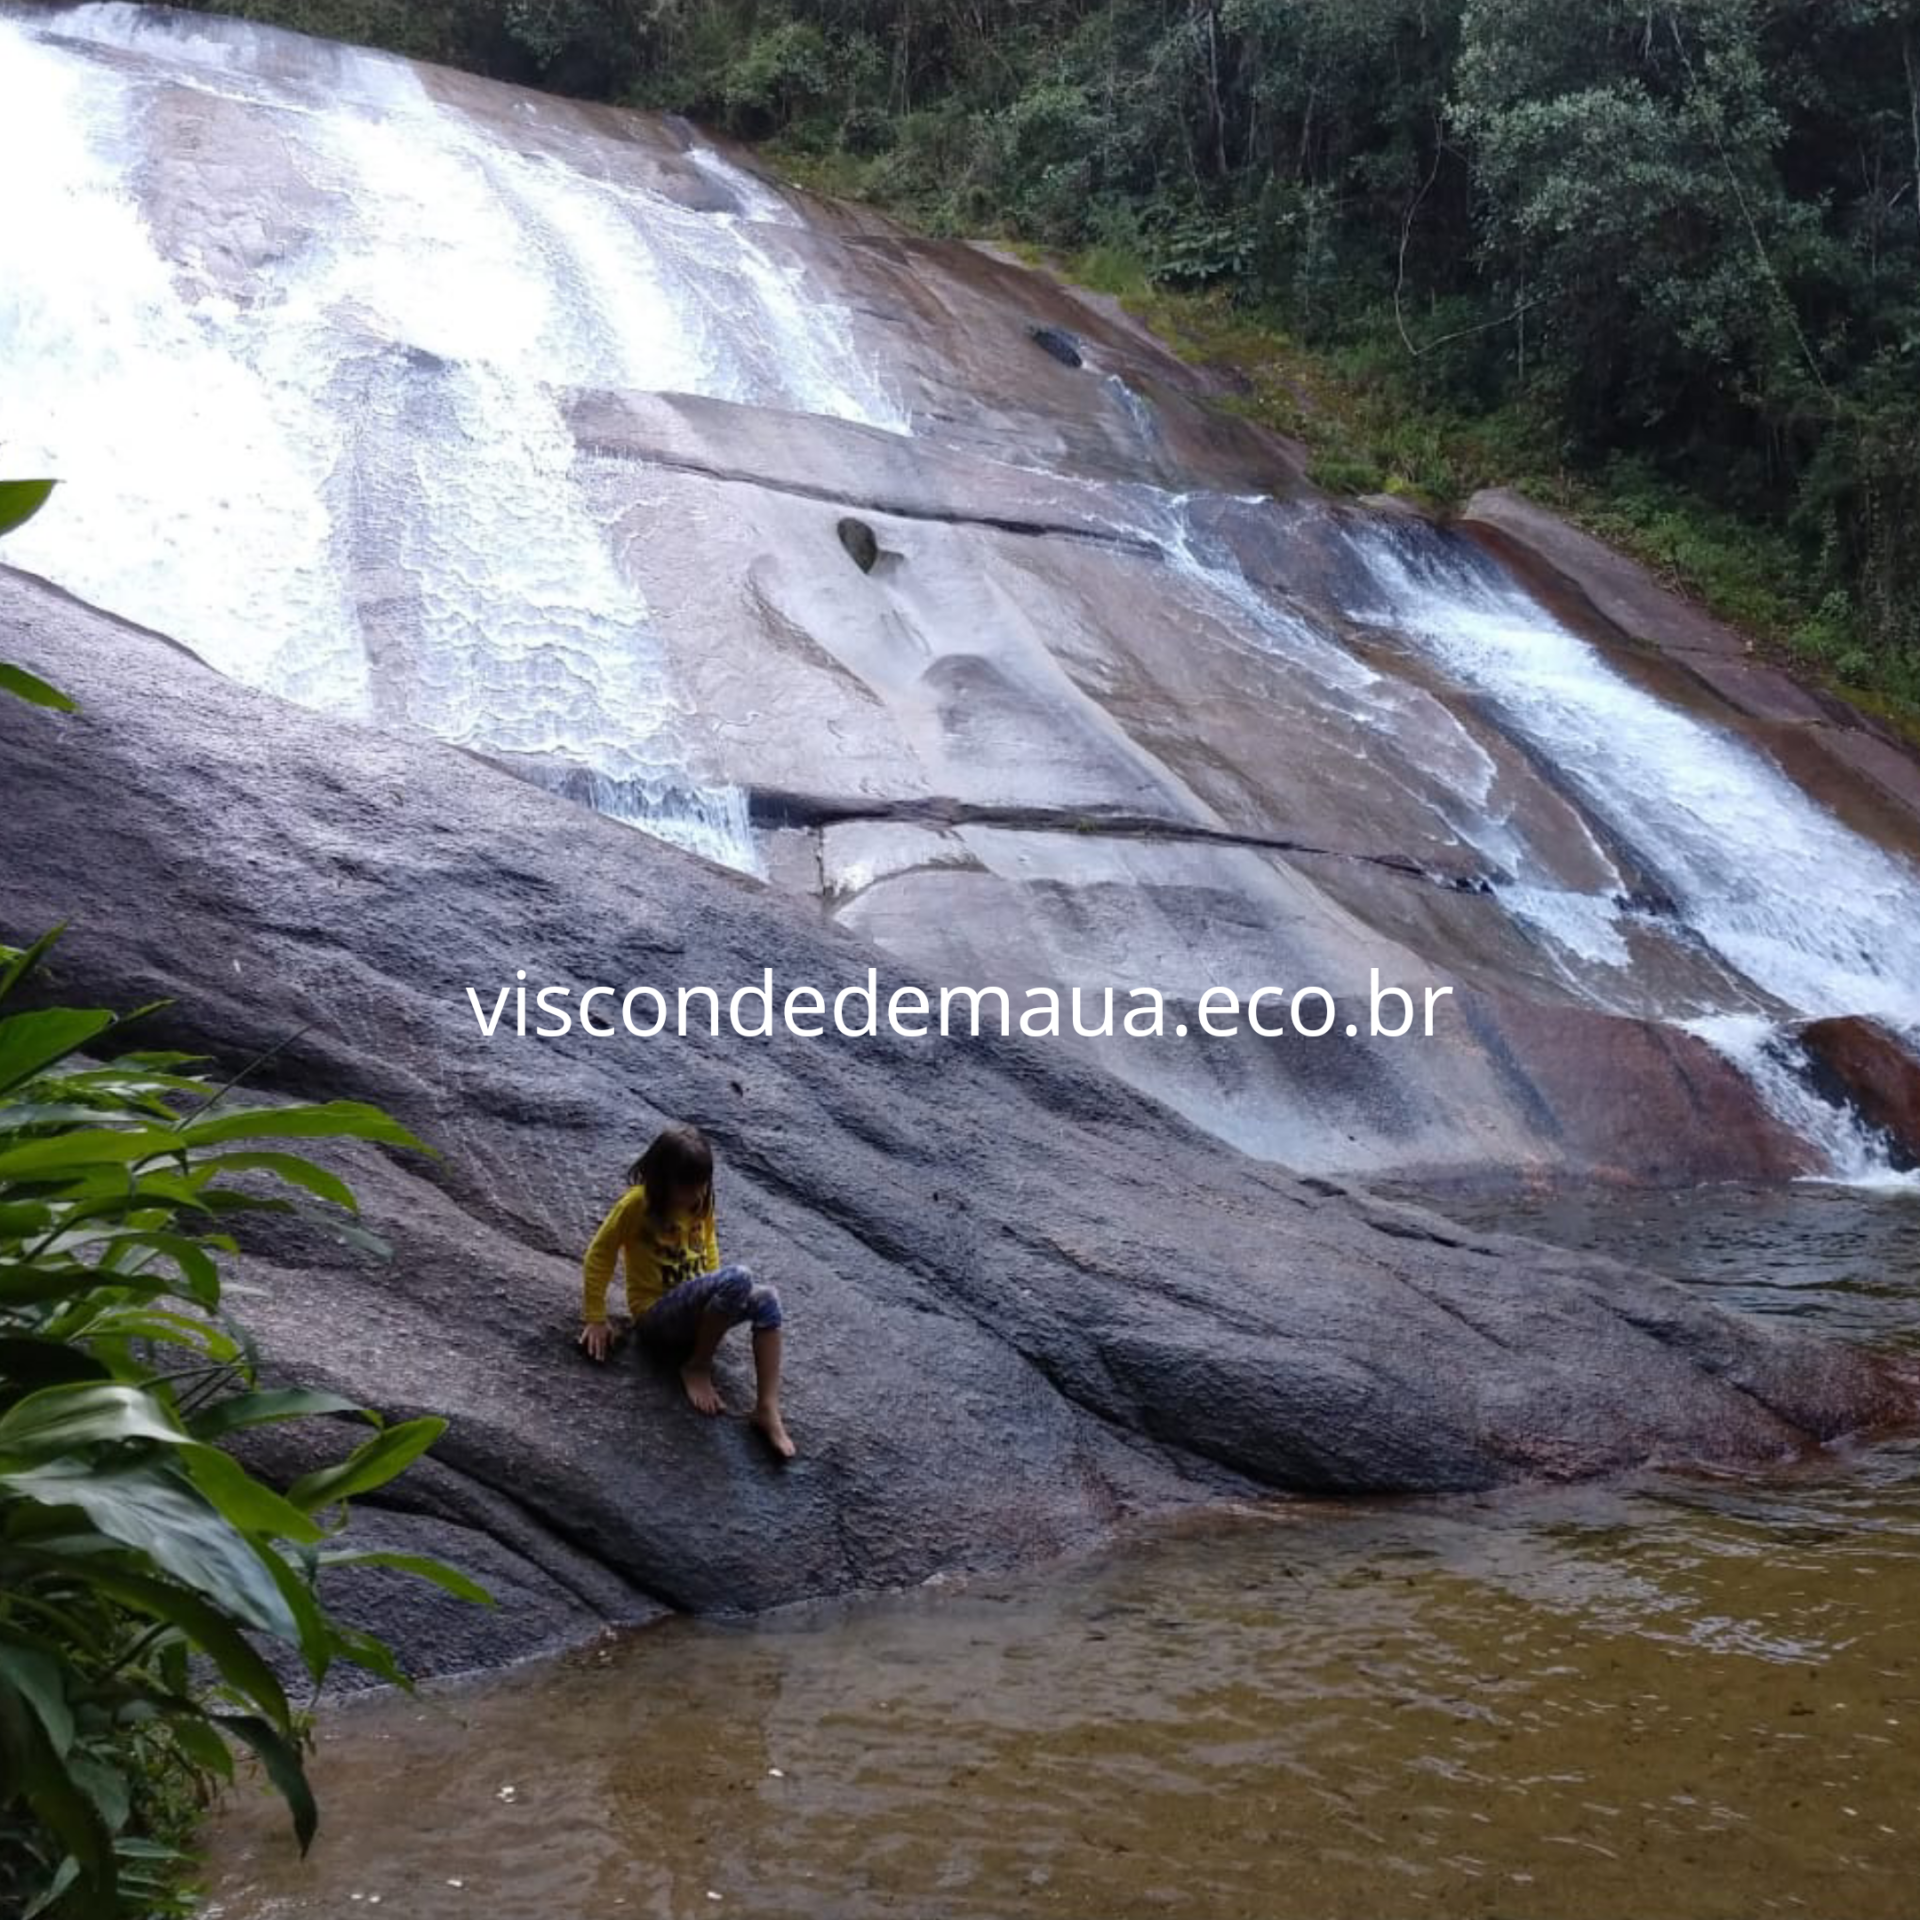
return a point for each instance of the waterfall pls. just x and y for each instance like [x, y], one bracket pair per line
[809, 340]
[195, 496]
[1793, 899]
[1777, 1065]
[352, 483]
[304, 330]
[1361, 703]
[1818, 918]
[1136, 409]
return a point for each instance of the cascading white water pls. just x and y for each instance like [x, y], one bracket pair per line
[195, 501]
[811, 341]
[1792, 898]
[367, 457]
[1817, 917]
[1460, 772]
[1135, 408]
[1777, 1066]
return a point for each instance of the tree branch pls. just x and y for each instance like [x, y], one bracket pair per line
[1400, 277]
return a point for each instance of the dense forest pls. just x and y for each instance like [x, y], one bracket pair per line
[1667, 251]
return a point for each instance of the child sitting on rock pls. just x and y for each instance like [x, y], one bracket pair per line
[681, 1298]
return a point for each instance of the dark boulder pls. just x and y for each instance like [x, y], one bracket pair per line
[863, 547]
[1058, 342]
[1024, 1302]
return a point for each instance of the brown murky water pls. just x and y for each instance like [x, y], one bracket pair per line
[1692, 1698]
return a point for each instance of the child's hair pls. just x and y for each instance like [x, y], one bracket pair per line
[679, 1158]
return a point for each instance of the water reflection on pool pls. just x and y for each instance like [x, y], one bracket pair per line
[1680, 1697]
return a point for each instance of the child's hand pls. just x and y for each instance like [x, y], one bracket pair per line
[597, 1338]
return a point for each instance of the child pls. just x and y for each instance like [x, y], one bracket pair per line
[681, 1298]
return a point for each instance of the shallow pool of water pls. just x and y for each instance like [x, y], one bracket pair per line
[1686, 1697]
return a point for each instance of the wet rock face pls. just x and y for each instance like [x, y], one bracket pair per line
[1877, 1073]
[570, 435]
[1117, 775]
[1023, 1302]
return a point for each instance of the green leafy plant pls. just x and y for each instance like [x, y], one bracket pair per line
[20, 500]
[142, 1566]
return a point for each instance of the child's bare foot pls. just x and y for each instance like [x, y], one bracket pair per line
[705, 1396]
[773, 1430]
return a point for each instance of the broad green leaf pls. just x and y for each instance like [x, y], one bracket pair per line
[369, 1651]
[123, 1082]
[330, 1120]
[370, 1465]
[195, 1737]
[282, 1763]
[21, 961]
[268, 1403]
[35, 1676]
[163, 1516]
[313, 1630]
[206, 1627]
[57, 1420]
[144, 1199]
[32, 1042]
[32, 689]
[38, 1773]
[33, 1286]
[19, 1116]
[450, 1578]
[104, 1785]
[108, 1508]
[145, 1322]
[64, 1877]
[20, 500]
[291, 1167]
[232, 1200]
[21, 1218]
[249, 1504]
[197, 1271]
[80, 1152]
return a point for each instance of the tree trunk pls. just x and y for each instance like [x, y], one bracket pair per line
[1913, 111]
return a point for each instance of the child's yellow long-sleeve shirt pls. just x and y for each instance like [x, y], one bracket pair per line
[660, 1253]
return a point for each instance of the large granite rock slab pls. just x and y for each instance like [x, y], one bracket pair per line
[1025, 1302]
